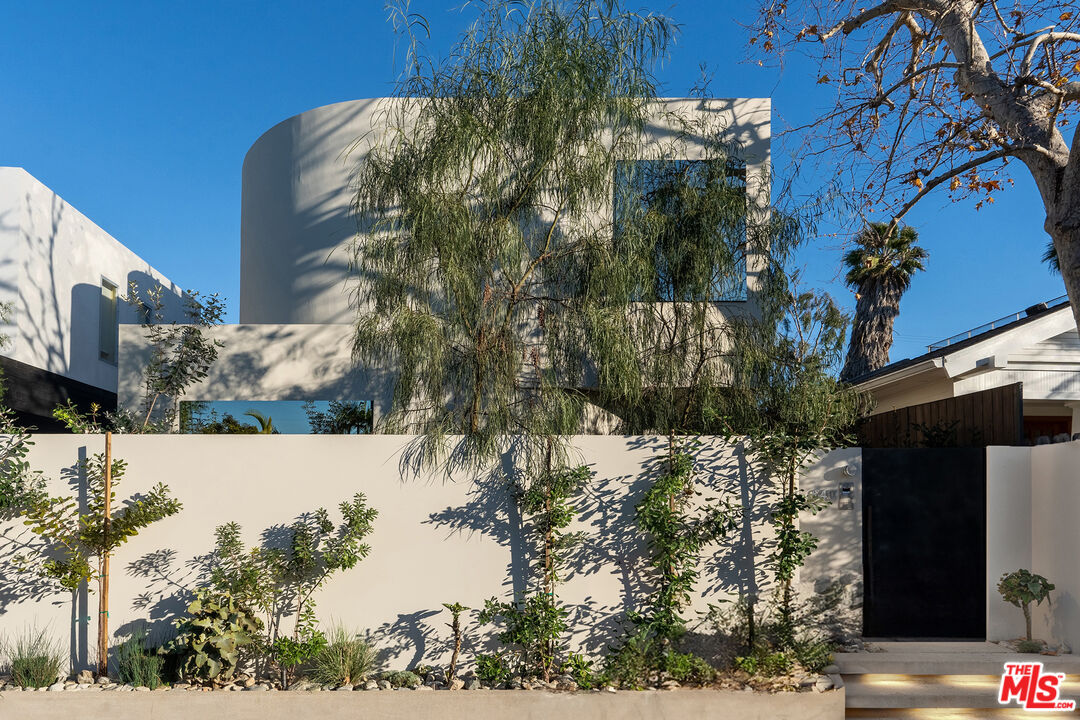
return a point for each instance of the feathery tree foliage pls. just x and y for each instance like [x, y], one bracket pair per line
[785, 400]
[880, 269]
[496, 277]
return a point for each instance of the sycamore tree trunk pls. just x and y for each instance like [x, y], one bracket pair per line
[872, 329]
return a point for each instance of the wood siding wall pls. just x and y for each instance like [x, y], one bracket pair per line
[990, 417]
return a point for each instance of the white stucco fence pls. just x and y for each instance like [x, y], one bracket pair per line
[436, 539]
[1033, 522]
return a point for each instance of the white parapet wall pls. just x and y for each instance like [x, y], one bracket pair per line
[1033, 504]
[437, 539]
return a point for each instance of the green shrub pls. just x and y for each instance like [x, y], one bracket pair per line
[688, 668]
[633, 663]
[208, 643]
[581, 669]
[764, 663]
[290, 654]
[137, 664]
[403, 678]
[533, 628]
[1029, 646]
[813, 655]
[492, 669]
[36, 659]
[347, 658]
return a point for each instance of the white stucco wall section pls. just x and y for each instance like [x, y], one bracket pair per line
[1033, 504]
[296, 218]
[437, 539]
[52, 262]
[268, 362]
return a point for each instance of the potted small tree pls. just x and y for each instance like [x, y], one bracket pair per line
[1021, 588]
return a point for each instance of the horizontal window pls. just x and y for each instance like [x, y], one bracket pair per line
[284, 417]
[687, 220]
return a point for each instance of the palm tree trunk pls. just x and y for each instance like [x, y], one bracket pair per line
[872, 329]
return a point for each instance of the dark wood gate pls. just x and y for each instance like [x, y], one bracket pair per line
[924, 543]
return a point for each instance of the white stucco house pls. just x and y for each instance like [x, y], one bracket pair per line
[62, 279]
[294, 338]
[1038, 347]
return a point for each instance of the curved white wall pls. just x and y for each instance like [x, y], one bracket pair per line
[297, 223]
[295, 217]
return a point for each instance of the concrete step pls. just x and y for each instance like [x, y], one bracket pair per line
[952, 714]
[947, 663]
[900, 691]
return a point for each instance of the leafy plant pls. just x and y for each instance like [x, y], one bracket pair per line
[1023, 587]
[210, 639]
[180, 355]
[492, 669]
[688, 668]
[764, 663]
[813, 654]
[633, 664]
[676, 538]
[403, 678]
[137, 664]
[20, 486]
[455, 627]
[533, 626]
[291, 653]
[347, 658]
[581, 669]
[278, 582]
[35, 659]
[677, 533]
[75, 538]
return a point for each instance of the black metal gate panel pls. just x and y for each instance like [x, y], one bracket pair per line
[924, 543]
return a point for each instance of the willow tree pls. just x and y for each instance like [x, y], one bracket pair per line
[530, 250]
[492, 175]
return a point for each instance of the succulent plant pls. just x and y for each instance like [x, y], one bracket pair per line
[209, 640]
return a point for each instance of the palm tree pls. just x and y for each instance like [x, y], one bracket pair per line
[880, 269]
[266, 423]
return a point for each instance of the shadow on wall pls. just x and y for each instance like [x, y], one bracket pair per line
[611, 541]
[22, 579]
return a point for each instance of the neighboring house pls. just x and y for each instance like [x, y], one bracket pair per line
[294, 339]
[63, 279]
[1038, 347]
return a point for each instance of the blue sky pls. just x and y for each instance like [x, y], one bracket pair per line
[139, 114]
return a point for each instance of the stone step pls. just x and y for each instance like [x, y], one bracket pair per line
[901, 691]
[947, 663]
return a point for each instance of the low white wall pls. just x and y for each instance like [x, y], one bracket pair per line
[1033, 499]
[1055, 538]
[1008, 533]
[436, 540]
[836, 567]
[268, 362]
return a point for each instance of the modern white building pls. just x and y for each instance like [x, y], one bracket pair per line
[1038, 347]
[294, 339]
[62, 279]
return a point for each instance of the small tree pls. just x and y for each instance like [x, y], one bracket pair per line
[81, 542]
[785, 399]
[536, 623]
[1021, 588]
[181, 356]
[281, 581]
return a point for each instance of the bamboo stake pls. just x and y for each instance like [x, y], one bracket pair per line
[103, 595]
